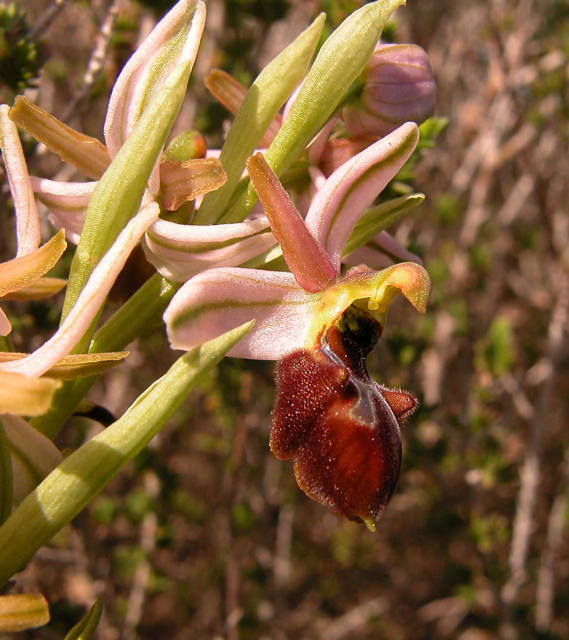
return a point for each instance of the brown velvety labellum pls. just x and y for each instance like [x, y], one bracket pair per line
[340, 427]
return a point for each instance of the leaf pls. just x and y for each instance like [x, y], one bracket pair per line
[265, 97]
[34, 456]
[380, 217]
[87, 471]
[86, 627]
[6, 477]
[231, 93]
[139, 315]
[23, 611]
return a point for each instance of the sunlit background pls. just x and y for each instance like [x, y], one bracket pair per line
[206, 535]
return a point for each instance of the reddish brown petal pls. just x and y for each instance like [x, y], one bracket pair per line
[348, 464]
[338, 424]
[401, 402]
[306, 384]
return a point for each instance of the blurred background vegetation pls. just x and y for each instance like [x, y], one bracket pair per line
[207, 535]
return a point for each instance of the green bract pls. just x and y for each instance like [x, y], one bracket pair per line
[339, 62]
[87, 471]
[265, 97]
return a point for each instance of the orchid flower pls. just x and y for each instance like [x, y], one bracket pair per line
[340, 426]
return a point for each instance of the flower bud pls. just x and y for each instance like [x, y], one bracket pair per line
[189, 145]
[340, 426]
[398, 86]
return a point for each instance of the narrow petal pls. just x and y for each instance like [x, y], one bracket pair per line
[380, 252]
[42, 288]
[34, 455]
[181, 182]
[22, 396]
[75, 365]
[369, 256]
[231, 93]
[87, 154]
[354, 186]
[22, 272]
[67, 203]
[174, 40]
[181, 251]
[221, 299]
[27, 218]
[304, 256]
[90, 299]
[23, 611]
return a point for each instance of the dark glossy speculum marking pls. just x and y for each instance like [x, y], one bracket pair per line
[340, 426]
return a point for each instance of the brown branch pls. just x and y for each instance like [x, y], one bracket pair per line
[549, 556]
[46, 19]
[531, 472]
[96, 63]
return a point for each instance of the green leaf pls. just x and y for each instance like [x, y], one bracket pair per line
[86, 472]
[340, 61]
[87, 626]
[6, 477]
[119, 192]
[266, 96]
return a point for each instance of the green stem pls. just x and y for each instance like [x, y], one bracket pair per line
[6, 477]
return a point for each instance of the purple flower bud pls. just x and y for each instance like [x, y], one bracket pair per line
[398, 86]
